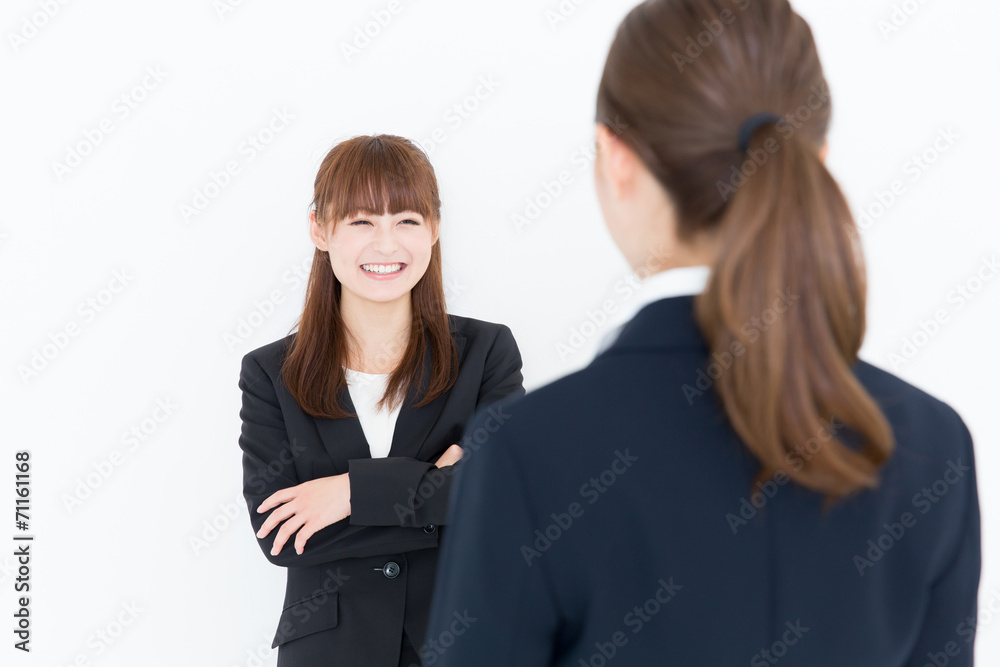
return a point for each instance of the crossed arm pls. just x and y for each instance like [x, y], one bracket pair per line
[368, 510]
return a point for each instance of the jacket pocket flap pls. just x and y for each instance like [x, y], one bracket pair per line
[306, 617]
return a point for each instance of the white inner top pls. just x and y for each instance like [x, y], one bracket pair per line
[678, 281]
[366, 391]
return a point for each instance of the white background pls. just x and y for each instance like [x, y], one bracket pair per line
[170, 332]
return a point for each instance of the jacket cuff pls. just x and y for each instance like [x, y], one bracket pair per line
[398, 491]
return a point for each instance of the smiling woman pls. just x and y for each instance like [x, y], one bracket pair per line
[376, 202]
[350, 424]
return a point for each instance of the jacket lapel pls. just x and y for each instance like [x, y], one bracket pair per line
[344, 439]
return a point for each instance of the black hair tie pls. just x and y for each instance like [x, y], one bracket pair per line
[751, 124]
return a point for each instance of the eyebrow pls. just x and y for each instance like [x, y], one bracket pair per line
[407, 213]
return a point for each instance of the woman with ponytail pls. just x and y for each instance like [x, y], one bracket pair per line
[727, 482]
[351, 424]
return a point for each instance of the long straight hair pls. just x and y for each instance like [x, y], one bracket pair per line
[681, 78]
[371, 175]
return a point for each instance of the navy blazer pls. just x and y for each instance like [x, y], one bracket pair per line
[607, 521]
[359, 582]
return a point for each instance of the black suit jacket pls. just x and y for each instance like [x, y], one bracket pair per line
[607, 521]
[362, 580]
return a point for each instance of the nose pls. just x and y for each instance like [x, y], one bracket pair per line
[385, 241]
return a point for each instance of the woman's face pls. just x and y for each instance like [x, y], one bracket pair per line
[398, 244]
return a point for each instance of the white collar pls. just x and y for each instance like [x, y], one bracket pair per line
[678, 281]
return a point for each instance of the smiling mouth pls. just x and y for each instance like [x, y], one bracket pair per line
[383, 269]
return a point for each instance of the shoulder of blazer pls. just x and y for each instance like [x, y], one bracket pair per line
[476, 332]
[892, 392]
[935, 430]
[928, 430]
[270, 356]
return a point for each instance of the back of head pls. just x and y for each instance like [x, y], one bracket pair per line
[681, 81]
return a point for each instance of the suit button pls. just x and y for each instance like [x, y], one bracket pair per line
[390, 570]
[429, 528]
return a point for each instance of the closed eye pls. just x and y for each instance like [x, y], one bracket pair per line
[367, 222]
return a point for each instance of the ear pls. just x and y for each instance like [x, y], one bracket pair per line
[618, 162]
[316, 232]
[824, 150]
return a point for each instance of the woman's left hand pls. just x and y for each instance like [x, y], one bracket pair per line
[306, 508]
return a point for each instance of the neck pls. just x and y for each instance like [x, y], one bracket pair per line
[650, 242]
[379, 331]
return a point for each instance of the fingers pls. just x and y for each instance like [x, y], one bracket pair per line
[286, 530]
[304, 534]
[276, 498]
[277, 516]
[450, 456]
[453, 455]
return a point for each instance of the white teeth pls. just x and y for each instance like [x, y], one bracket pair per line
[379, 268]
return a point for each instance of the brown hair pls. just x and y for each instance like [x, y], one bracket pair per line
[684, 75]
[382, 174]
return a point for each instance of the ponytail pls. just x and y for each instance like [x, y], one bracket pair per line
[788, 288]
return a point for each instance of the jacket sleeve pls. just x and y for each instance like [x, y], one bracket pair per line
[950, 622]
[268, 466]
[490, 583]
[402, 491]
